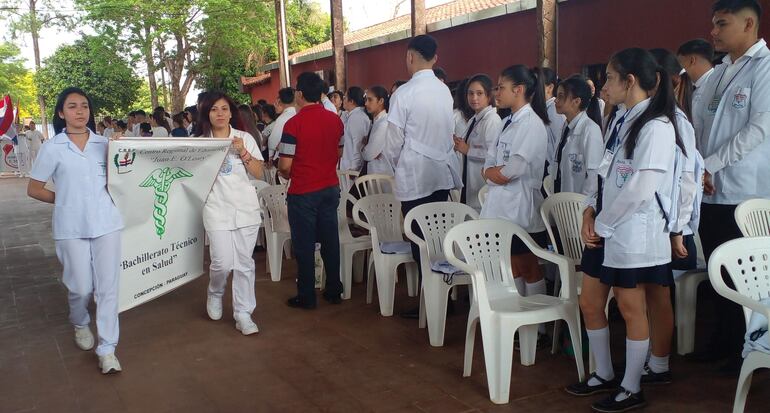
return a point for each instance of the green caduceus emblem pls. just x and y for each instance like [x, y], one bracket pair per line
[161, 179]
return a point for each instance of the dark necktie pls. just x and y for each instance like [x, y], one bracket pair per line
[562, 144]
[465, 162]
[508, 122]
[610, 145]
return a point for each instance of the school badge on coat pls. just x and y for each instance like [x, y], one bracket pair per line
[740, 99]
[624, 171]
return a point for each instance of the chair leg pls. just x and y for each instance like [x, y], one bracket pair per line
[386, 290]
[346, 271]
[498, 358]
[744, 383]
[470, 341]
[557, 328]
[436, 297]
[686, 294]
[370, 281]
[275, 260]
[528, 344]
[359, 260]
[411, 279]
[573, 324]
[422, 320]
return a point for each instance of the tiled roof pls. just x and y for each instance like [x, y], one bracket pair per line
[253, 81]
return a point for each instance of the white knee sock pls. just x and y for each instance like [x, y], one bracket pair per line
[535, 288]
[658, 364]
[521, 286]
[599, 341]
[636, 353]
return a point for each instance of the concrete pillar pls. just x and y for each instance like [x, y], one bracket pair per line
[547, 33]
[338, 44]
[418, 17]
[283, 46]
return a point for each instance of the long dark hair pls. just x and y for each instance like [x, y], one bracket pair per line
[203, 126]
[642, 64]
[461, 100]
[249, 121]
[380, 92]
[577, 86]
[683, 85]
[58, 123]
[159, 116]
[550, 78]
[534, 91]
[486, 84]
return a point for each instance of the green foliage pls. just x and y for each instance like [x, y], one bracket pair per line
[94, 65]
[17, 81]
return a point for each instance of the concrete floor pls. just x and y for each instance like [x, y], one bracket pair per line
[342, 358]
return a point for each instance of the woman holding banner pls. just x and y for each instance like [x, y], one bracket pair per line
[231, 213]
[86, 223]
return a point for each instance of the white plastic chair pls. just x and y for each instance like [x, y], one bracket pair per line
[486, 246]
[349, 245]
[686, 300]
[382, 217]
[372, 184]
[747, 262]
[435, 220]
[269, 173]
[753, 217]
[272, 200]
[258, 186]
[455, 195]
[548, 185]
[483, 194]
[346, 178]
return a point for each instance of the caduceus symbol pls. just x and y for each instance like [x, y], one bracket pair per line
[161, 179]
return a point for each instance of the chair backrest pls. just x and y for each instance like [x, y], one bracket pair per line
[272, 200]
[455, 195]
[346, 179]
[435, 220]
[565, 211]
[753, 217]
[259, 184]
[373, 184]
[747, 262]
[485, 245]
[342, 216]
[548, 185]
[483, 194]
[269, 174]
[381, 215]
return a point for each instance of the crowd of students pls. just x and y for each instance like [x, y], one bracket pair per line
[665, 149]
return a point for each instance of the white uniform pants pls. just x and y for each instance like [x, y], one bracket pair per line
[92, 266]
[232, 250]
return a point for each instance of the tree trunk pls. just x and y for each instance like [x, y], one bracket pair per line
[150, 66]
[175, 66]
[35, 32]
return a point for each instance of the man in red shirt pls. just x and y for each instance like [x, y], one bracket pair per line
[309, 152]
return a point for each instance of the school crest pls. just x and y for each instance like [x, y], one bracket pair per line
[577, 164]
[123, 163]
[739, 100]
[624, 171]
[227, 166]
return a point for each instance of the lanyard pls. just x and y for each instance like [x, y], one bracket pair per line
[727, 86]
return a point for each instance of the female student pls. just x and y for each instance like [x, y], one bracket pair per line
[462, 112]
[514, 170]
[378, 153]
[637, 174]
[556, 121]
[481, 134]
[580, 146]
[179, 131]
[86, 223]
[231, 212]
[160, 128]
[596, 93]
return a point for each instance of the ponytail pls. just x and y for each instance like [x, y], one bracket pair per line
[684, 94]
[594, 111]
[577, 86]
[534, 90]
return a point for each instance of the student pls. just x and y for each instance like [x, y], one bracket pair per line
[597, 94]
[696, 58]
[683, 86]
[36, 140]
[285, 106]
[462, 113]
[268, 117]
[190, 117]
[337, 99]
[249, 124]
[356, 129]
[637, 174]
[160, 128]
[145, 130]
[86, 223]
[580, 148]
[140, 117]
[326, 102]
[397, 84]
[420, 123]
[556, 121]
[732, 128]
[109, 128]
[378, 152]
[480, 135]
[514, 172]
[440, 74]
[231, 212]
[179, 130]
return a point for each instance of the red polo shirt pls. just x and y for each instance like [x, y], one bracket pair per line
[312, 139]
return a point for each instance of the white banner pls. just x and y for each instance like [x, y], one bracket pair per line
[159, 186]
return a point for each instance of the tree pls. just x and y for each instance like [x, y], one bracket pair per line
[94, 65]
[17, 81]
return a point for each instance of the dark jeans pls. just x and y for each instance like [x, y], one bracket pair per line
[406, 206]
[313, 217]
[717, 226]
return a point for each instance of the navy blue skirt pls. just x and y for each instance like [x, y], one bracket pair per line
[519, 248]
[592, 265]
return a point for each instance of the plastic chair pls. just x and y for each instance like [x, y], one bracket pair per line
[483, 194]
[272, 200]
[486, 246]
[372, 184]
[455, 195]
[258, 186]
[434, 220]
[753, 217]
[346, 178]
[349, 245]
[382, 217]
[686, 300]
[548, 185]
[747, 262]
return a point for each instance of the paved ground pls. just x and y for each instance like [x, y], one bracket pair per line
[342, 358]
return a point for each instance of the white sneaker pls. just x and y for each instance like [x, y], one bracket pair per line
[214, 307]
[109, 364]
[246, 325]
[84, 339]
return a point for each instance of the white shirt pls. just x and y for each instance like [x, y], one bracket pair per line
[631, 221]
[277, 130]
[159, 132]
[420, 121]
[108, 132]
[732, 131]
[379, 152]
[232, 202]
[328, 105]
[555, 127]
[35, 140]
[690, 193]
[483, 136]
[461, 125]
[520, 149]
[580, 157]
[83, 208]
[356, 130]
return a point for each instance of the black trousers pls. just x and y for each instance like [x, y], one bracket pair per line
[406, 206]
[717, 226]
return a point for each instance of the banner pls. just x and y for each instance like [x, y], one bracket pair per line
[160, 186]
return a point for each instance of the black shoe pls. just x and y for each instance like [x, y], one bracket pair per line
[583, 389]
[650, 377]
[296, 302]
[631, 402]
[332, 298]
[411, 314]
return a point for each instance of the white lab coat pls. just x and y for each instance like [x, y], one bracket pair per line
[555, 127]
[580, 157]
[356, 129]
[483, 136]
[691, 192]
[733, 136]
[520, 149]
[379, 151]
